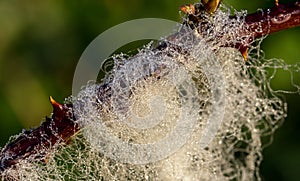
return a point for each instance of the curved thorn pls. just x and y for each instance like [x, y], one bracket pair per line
[56, 106]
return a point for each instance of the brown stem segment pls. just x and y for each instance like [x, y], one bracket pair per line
[259, 24]
[62, 125]
[280, 17]
[37, 143]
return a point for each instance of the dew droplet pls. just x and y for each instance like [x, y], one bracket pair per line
[281, 18]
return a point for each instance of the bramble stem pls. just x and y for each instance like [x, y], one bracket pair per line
[280, 17]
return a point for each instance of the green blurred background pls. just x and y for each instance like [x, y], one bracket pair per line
[41, 42]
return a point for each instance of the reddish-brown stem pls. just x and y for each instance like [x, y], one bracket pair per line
[36, 143]
[280, 17]
[62, 126]
[262, 23]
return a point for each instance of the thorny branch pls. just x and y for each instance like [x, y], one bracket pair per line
[62, 125]
[37, 142]
[259, 24]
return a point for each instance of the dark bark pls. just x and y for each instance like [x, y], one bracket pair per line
[37, 142]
